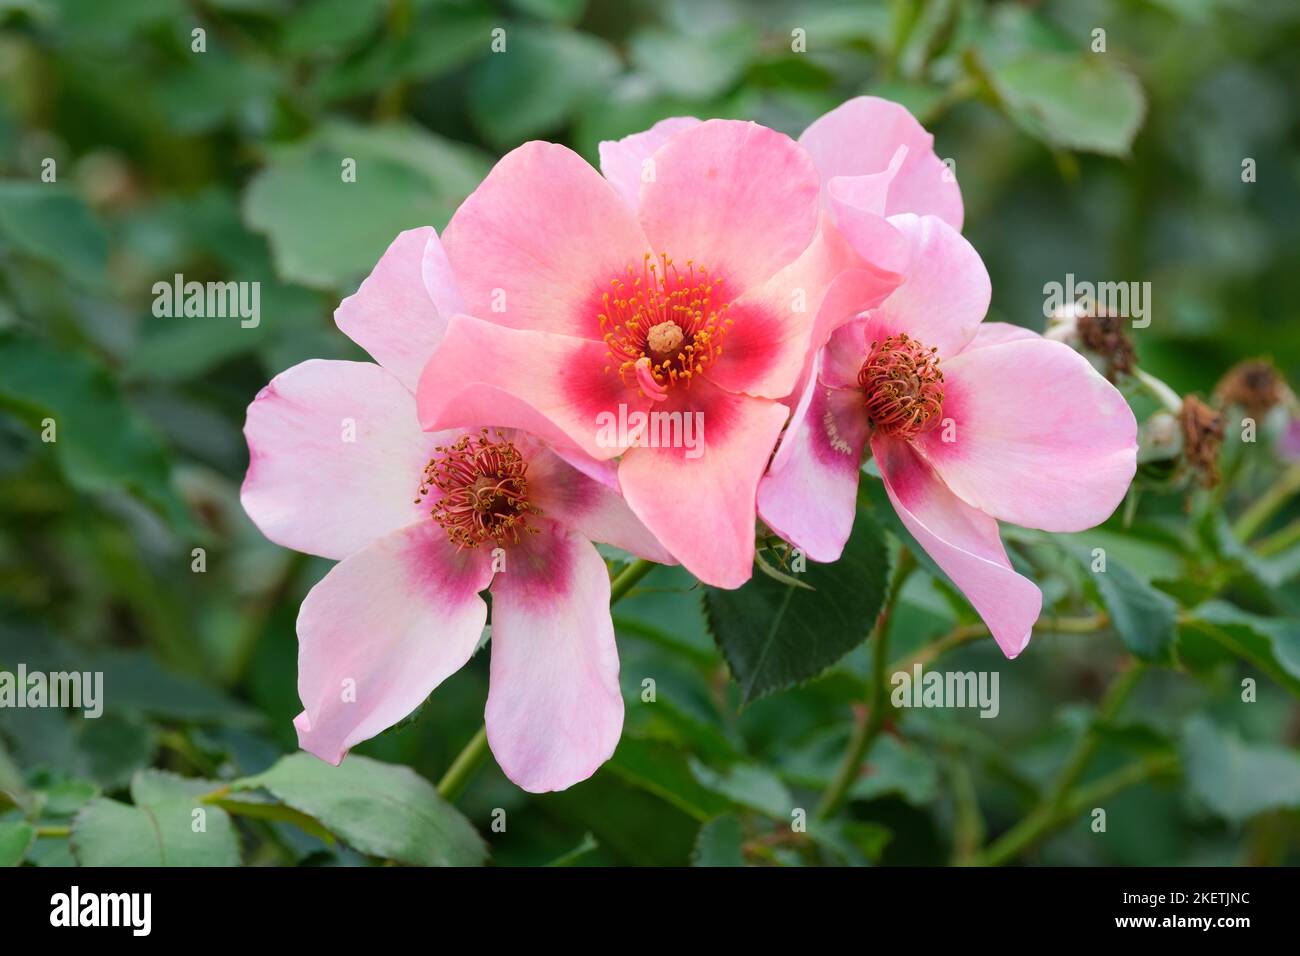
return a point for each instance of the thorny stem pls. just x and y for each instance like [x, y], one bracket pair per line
[868, 729]
[474, 754]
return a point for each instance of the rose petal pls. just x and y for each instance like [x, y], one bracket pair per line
[395, 315]
[702, 509]
[862, 136]
[335, 457]
[554, 710]
[737, 198]
[963, 541]
[1039, 437]
[809, 495]
[537, 244]
[623, 160]
[381, 631]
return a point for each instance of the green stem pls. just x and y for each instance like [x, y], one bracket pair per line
[1170, 400]
[1257, 515]
[1058, 806]
[465, 766]
[1046, 820]
[474, 754]
[53, 831]
[627, 579]
[868, 729]
[1280, 540]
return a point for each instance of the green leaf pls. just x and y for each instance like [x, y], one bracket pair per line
[328, 233]
[16, 838]
[534, 86]
[1235, 779]
[660, 768]
[749, 786]
[1146, 619]
[697, 64]
[377, 808]
[774, 636]
[565, 11]
[46, 222]
[159, 830]
[719, 843]
[100, 443]
[1271, 644]
[1071, 102]
[856, 842]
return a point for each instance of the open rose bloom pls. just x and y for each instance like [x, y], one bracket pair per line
[422, 523]
[688, 281]
[969, 424]
[718, 277]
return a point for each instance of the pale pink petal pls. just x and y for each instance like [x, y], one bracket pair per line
[703, 508]
[554, 709]
[439, 280]
[552, 385]
[963, 541]
[842, 359]
[995, 333]
[809, 495]
[863, 135]
[779, 325]
[1037, 436]
[393, 315]
[573, 499]
[381, 631]
[737, 198]
[335, 457]
[945, 290]
[538, 243]
[878, 243]
[623, 161]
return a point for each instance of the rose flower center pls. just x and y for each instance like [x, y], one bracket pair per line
[903, 386]
[484, 485]
[663, 326]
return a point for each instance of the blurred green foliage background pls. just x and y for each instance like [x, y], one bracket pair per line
[1122, 165]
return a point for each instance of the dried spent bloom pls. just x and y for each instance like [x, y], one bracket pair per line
[1255, 386]
[1203, 432]
[1106, 336]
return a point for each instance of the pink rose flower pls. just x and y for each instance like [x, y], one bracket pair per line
[420, 524]
[687, 282]
[969, 424]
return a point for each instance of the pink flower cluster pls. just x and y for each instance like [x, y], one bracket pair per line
[808, 298]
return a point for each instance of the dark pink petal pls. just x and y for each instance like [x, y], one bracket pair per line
[538, 243]
[623, 160]
[702, 509]
[554, 709]
[584, 504]
[945, 289]
[1037, 436]
[554, 386]
[777, 326]
[809, 495]
[963, 541]
[736, 198]
[335, 457]
[381, 631]
[400, 311]
[863, 135]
